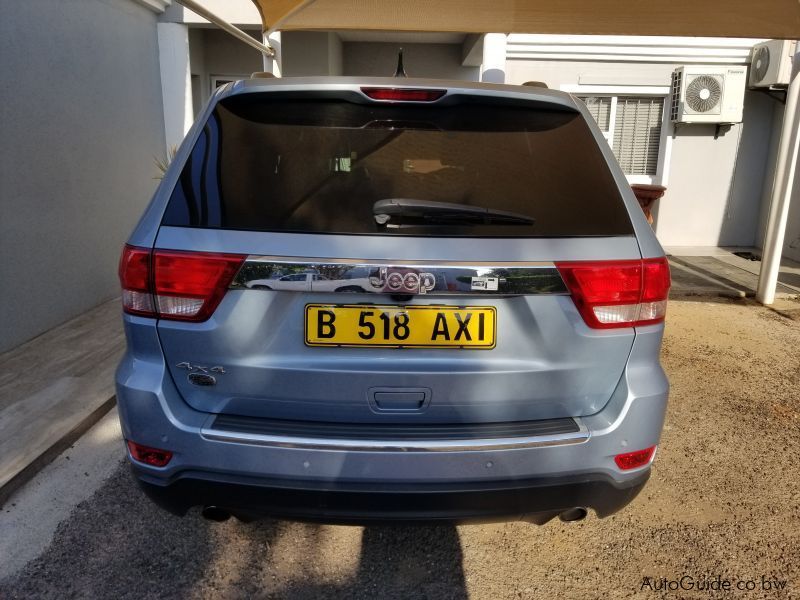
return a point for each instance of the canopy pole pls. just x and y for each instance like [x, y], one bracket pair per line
[785, 166]
[273, 64]
[493, 65]
[227, 27]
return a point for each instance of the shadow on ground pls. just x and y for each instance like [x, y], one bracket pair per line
[118, 544]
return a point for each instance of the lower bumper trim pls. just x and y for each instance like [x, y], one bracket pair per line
[536, 501]
[395, 438]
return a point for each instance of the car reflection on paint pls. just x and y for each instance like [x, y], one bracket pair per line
[308, 280]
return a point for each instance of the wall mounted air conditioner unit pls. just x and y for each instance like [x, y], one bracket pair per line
[771, 64]
[708, 94]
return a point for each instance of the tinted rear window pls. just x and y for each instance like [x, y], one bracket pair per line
[318, 166]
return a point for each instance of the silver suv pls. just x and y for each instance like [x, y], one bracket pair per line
[354, 300]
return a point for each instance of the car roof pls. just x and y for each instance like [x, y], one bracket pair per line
[332, 84]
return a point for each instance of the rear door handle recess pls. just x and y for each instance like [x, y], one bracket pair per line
[404, 400]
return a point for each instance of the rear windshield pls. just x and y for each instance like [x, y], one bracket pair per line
[320, 166]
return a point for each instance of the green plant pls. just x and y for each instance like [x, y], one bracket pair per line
[163, 164]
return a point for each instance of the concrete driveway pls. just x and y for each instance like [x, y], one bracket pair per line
[723, 505]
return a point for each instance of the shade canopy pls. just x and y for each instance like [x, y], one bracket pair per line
[716, 18]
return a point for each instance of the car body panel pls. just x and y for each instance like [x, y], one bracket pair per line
[546, 363]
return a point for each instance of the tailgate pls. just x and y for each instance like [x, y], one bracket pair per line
[542, 361]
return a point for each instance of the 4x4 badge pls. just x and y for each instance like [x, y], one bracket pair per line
[198, 369]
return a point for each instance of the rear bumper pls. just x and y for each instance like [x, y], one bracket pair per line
[536, 501]
[324, 479]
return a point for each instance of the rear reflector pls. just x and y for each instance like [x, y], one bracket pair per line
[177, 285]
[636, 459]
[403, 94]
[149, 456]
[620, 293]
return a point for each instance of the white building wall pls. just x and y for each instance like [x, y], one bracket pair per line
[197, 68]
[644, 49]
[309, 53]
[438, 61]
[335, 54]
[791, 242]
[82, 124]
[715, 188]
[216, 54]
[713, 197]
[176, 85]
[791, 245]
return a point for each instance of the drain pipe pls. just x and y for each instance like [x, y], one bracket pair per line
[267, 51]
[785, 166]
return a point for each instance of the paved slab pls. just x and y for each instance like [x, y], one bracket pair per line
[53, 388]
[720, 272]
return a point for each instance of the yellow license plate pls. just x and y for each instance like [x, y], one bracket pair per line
[401, 326]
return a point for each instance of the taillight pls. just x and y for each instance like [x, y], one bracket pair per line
[190, 285]
[149, 456]
[635, 459]
[619, 293]
[134, 276]
[403, 94]
[173, 284]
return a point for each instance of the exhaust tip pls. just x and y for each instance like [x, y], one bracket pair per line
[214, 513]
[573, 514]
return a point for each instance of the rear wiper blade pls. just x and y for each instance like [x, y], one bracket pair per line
[428, 211]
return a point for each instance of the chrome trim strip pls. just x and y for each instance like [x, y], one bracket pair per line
[300, 443]
[359, 261]
[433, 278]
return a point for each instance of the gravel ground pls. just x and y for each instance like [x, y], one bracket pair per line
[724, 500]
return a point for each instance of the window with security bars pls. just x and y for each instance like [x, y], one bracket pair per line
[632, 126]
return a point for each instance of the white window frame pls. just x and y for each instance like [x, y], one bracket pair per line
[664, 144]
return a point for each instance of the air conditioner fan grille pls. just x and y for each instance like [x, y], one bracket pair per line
[703, 93]
[760, 64]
